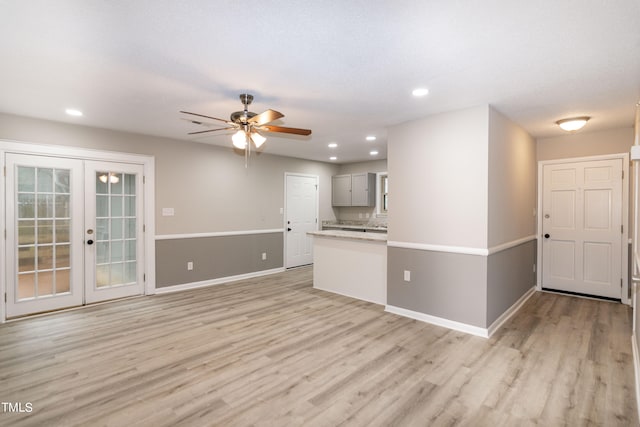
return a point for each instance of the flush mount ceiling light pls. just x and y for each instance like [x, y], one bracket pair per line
[333, 158]
[421, 91]
[370, 138]
[573, 123]
[73, 112]
[373, 152]
[332, 145]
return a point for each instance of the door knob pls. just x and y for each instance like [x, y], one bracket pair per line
[288, 229]
[89, 242]
[546, 236]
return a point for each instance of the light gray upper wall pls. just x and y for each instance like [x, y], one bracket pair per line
[512, 180]
[584, 144]
[208, 186]
[438, 179]
[371, 166]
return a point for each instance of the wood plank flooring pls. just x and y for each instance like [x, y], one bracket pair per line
[273, 351]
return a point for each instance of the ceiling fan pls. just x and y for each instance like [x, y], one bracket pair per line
[248, 125]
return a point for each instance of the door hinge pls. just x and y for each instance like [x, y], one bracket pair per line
[620, 282]
[5, 297]
[5, 171]
[621, 229]
[144, 277]
[623, 174]
[316, 187]
[144, 228]
[144, 179]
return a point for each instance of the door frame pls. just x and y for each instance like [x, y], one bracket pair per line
[625, 298]
[284, 211]
[148, 164]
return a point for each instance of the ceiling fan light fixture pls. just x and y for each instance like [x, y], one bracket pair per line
[573, 123]
[239, 139]
[258, 139]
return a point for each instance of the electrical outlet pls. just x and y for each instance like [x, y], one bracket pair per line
[264, 256]
[407, 276]
[190, 265]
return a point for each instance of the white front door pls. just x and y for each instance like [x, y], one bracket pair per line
[74, 232]
[582, 227]
[301, 217]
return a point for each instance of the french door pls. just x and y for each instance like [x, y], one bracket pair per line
[74, 232]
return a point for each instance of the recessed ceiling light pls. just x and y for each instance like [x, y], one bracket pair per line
[421, 91]
[333, 158]
[73, 112]
[373, 153]
[371, 138]
[332, 145]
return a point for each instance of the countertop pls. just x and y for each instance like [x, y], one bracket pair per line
[350, 235]
[377, 226]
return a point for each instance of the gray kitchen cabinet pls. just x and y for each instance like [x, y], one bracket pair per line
[358, 189]
[341, 190]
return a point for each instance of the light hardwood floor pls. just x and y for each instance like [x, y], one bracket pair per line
[273, 351]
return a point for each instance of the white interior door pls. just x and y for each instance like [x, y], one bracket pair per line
[44, 233]
[582, 227]
[113, 231]
[301, 217]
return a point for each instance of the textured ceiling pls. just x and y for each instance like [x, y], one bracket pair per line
[344, 69]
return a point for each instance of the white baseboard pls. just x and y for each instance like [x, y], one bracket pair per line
[510, 311]
[463, 327]
[438, 321]
[218, 281]
[636, 369]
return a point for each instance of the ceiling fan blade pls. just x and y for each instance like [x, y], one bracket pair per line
[265, 117]
[210, 130]
[283, 129]
[208, 117]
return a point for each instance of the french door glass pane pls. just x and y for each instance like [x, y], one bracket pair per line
[115, 229]
[43, 224]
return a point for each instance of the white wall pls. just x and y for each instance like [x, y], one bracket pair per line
[438, 179]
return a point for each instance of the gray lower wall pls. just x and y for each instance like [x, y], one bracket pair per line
[446, 285]
[216, 257]
[471, 289]
[509, 276]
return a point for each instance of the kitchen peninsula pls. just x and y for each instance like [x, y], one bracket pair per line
[351, 263]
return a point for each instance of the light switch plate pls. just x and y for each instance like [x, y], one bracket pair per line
[168, 212]
[407, 276]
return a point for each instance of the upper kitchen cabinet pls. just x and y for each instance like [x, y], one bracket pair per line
[358, 189]
[341, 190]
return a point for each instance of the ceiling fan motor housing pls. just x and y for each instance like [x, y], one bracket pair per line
[240, 117]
